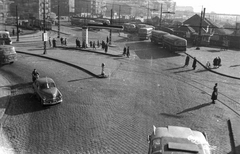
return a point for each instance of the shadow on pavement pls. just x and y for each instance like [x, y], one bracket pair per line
[183, 71]
[175, 68]
[21, 86]
[195, 108]
[214, 50]
[23, 103]
[201, 70]
[171, 115]
[81, 79]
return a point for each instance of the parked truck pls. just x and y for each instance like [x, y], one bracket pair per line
[174, 43]
[176, 140]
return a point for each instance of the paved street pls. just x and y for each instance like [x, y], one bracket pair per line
[149, 88]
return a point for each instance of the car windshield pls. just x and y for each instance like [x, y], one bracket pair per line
[47, 85]
[156, 147]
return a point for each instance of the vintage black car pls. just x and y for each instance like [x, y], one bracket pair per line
[46, 91]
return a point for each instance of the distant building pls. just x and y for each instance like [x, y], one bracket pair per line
[63, 7]
[184, 8]
[34, 8]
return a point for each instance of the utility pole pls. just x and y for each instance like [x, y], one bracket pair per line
[147, 11]
[110, 35]
[58, 20]
[44, 27]
[119, 14]
[200, 29]
[17, 23]
[160, 19]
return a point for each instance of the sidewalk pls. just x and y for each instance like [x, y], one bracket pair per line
[229, 60]
[91, 65]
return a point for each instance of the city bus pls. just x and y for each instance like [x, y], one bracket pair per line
[145, 33]
[157, 36]
[7, 54]
[5, 38]
[174, 43]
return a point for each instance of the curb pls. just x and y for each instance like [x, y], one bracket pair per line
[233, 77]
[92, 51]
[64, 62]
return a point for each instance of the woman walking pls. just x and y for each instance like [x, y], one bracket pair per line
[214, 93]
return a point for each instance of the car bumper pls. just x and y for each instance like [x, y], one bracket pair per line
[52, 101]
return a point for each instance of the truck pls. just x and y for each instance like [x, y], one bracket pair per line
[145, 33]
[174, 43]
[157, 36]
[177, 140]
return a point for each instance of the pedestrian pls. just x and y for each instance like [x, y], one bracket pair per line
[13, 32]
[106, 48]
[219, 62]
[214, 93]
[83, 44]
[107, 39]
[124, 51]
[98, 44]
[61, 40]
[50, 41]
[65, 41]
[103, 45]
[128, 52]
[54, 42]
[187, 60]
[91, 44]
[94, 45]
[215, 62]
[208, 65]
[194, 63]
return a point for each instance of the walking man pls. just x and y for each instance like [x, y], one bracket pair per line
[50, 41]
[194, 65]
[187, 61]
[128, 52]
[106, 48]
[61, 40]
[54, 42]
[124, 51]
[107, 39]
[214, 94]
[65, 41]
[94, 45]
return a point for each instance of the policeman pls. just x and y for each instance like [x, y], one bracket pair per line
[35, 75]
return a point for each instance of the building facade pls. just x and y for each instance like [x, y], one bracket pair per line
[64, 7]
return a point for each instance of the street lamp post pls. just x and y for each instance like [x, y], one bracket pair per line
[44, 27]
[17, 23]
[58, 20]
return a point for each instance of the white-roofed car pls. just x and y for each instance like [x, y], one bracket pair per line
[177, 140]
[46, 91]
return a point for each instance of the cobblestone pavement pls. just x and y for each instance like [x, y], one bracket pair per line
[135, 113]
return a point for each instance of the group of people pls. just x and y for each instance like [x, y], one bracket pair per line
[52, 42]
[63, 41]
[194, 65]
[217, 62]
[126, 51]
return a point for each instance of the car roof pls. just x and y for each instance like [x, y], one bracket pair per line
[179, 132]
[44, 80]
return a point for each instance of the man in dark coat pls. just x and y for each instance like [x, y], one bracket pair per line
[194, 65]
[54, 42]
[214, 93]
[124, 51]
[187, 61]
[106, 48]
[128, 52]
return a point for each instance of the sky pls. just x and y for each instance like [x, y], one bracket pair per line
[217, 6]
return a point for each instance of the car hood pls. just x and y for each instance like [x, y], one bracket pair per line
[50, 93]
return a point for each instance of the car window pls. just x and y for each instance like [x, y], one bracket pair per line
[47, 85]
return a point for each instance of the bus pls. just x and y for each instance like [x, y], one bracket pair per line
[7, 54]
[174, 43]
[130, 28]
[157, 36]
[144, 33]
[5, 38]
